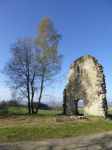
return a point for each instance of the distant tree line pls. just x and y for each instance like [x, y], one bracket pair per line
[10, 103]
[42, 106]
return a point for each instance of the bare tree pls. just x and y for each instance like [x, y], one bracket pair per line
[20, 69]
[13, 97]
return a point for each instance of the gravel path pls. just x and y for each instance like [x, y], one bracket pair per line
[100, 141]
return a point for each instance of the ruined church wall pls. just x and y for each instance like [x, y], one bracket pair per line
[85, 81]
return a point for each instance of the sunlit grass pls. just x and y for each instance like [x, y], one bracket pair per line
[22, 110]
[42, 125]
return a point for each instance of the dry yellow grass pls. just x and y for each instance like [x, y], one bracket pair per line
[109, 108]
[39, 121]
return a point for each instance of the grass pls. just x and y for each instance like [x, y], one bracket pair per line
[25, 110]
[40, 126]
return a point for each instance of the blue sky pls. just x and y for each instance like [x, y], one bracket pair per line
[85, 25]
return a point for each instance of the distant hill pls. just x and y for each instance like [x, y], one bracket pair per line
[80, 104]
[109, 104]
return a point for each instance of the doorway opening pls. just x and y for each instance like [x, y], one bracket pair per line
[80, 107]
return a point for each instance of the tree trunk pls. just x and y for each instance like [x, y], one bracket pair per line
[37, 107]
[32, 106]
[40, 95]
[29, 102]
[32, 101]
[32, 94]
[29, 107]
[28, 94]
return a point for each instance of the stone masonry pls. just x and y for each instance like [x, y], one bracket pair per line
[86, 81]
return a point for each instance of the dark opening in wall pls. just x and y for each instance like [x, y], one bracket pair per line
[78, 70]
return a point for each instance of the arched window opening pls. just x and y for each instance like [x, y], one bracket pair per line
[80, 107]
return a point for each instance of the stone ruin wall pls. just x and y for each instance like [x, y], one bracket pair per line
[85, 81]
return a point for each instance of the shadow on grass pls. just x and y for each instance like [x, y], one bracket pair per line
[109, 117]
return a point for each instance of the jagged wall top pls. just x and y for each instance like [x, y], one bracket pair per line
[83, 58]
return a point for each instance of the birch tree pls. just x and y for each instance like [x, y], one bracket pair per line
[47, 43]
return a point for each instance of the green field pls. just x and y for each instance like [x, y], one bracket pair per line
[17, 126]
[22, 110]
